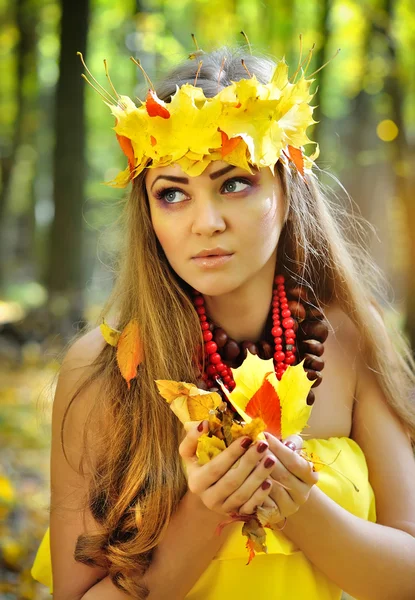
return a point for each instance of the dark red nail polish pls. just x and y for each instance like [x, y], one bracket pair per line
[262, 446]
[246, 443]
[266, 485]
[270, 462]
[200, 426]
[291, 446]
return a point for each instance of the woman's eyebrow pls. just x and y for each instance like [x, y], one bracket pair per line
[214, 175]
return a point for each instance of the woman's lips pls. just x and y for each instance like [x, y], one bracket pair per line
[210, 262]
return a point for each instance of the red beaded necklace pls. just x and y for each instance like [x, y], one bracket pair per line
[282, 332]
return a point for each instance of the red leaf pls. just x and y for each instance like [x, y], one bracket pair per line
[154, 106]
[228, 144]
[266, 405]
[296, 156]
[251, 550]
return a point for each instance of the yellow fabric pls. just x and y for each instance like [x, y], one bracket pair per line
[284, 572]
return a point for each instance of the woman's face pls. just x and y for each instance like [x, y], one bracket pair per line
[225, 209]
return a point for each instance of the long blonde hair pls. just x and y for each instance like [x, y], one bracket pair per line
[138, 479]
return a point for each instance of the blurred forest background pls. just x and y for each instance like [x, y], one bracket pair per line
[57, 147]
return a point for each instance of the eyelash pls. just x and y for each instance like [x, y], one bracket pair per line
[161, 194]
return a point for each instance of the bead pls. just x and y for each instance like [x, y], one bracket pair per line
[249, 346]
[288, 323]
[211, 347]
[279, 280]
[207, 336]
[290, 360]
[279, 356]
[210, 383]
[315, 330]
[275, 303]
[284, 306]
[313, 362]
[219, 367]
[297, 310]
[276, 323]
[289, 342]
[312, 347]
[202, 318]
[199, 301]
[267, 350]
[231, 350]
[211, 370]
[311, 398]
[220, 336]
[289, 333]
[278, 347]
[281, 287]
[215, 358]
[286, 313]
[276, 331]
[204, 326]
[201, 310]
[278, 340]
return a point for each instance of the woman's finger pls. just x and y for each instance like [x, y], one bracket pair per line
[207, 475]
[258, 477]
[293, 462]
[188, 447]
[258, 498]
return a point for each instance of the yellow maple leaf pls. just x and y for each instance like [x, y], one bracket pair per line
[187, 401]
[208, 448]
[291, 392]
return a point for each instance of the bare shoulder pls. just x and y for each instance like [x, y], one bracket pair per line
[76, 423]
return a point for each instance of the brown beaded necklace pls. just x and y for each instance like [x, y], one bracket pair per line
[295, 329]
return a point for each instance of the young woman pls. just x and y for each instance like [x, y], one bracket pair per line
[206, 250]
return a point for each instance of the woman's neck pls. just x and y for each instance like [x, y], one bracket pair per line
[243, 312]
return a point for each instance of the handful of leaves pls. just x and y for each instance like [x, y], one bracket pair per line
[258, 403]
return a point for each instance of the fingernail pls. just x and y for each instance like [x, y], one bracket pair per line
[246, 443]
[269, 462]
[262, 446]
[266, 435]
[266, 484]
[291, 446]
[200, 426]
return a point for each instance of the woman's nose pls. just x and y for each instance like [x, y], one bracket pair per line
[207, 218]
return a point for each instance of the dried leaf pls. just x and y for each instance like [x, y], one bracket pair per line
[110, 335]
[253, 429]
[268, 516]
[129, 351]
[208, 448]
[256, 538]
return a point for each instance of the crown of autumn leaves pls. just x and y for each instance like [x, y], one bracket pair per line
[246, 124]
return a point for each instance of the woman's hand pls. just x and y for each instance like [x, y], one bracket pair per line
[292, 476]
[235, 481]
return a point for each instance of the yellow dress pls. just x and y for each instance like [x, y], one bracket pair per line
[285, 572]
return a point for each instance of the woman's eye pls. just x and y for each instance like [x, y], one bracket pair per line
[170, 195]
[234, 185]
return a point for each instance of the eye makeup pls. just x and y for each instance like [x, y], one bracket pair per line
[162, 194]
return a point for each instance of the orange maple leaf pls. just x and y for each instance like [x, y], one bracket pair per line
[228, 144]
[297, 157]
[129, 351]
[155, 106]
[127, 148]
[265, 404]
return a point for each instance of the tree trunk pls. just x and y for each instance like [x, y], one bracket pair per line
[64, 276]
[23, 132]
